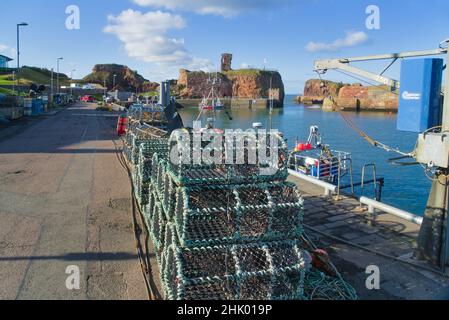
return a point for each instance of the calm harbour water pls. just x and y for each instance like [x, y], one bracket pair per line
[405, 187]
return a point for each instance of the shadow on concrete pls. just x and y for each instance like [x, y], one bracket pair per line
[63, 133]
[343, 220]
[81, 256]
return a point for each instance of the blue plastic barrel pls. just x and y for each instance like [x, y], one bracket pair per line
[36, 107]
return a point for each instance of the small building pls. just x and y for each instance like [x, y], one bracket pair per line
[4, 60]
[121, 95]
[89, 86]
[92, 86]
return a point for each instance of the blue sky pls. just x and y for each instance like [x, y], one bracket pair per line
[157, 37]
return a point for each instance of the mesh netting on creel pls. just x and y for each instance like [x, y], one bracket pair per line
[141, 189]
[213, 215]
[221, 232]
[147, 149]
[169, 197]
[148, 114]
[273, 270]
[227, 161]
[157, 227]
[154, 139]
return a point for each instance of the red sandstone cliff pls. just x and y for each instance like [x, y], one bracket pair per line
[315, 91]
[247, 83]
[349, 97]
[372, 98]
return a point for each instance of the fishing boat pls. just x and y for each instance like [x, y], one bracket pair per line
[216, 104]
[205, 105]
[315, 159]
[212, 102]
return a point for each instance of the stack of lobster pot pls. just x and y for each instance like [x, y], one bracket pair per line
[225, 231]
[221, 230]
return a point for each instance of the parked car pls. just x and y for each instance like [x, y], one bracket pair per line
[87, 98]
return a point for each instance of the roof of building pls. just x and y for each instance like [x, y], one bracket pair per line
[7, 58]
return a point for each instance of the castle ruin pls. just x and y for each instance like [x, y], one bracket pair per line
[226, 62]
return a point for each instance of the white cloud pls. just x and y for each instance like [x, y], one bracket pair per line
[352, 39]
[7, 51]
[144, 36]
[226, 8]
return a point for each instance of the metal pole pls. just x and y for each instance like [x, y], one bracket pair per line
[433, 241]
[18, 47]
[23, 24]
[71, 81]
[14, 82]
[18, 61]
[57, 76]
[445, 127]
[51, 85]
[270, 94]
[442, 190]
[445, 120]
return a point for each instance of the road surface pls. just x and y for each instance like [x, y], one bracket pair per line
[65, 205]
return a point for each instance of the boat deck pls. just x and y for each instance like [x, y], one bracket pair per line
[355, 240]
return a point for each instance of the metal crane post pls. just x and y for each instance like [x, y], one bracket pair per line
[433, 241]
[446, 128]
[432, 150]
[445, 122]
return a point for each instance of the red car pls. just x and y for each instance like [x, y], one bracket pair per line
[87, 99]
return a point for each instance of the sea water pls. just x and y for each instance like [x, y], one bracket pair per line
[406, 187]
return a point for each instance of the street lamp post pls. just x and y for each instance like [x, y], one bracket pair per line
[52, 86]
[71, 81]
[23, 24]
[14, 82]
[113, 87]
[57, 75]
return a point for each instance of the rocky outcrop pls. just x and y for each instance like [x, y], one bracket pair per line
[197, 84]
[149, 86]
[369, 98]
[333, 95]
[315, 91]
[126, 79]
[245, 83]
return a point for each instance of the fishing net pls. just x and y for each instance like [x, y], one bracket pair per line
[319, 286]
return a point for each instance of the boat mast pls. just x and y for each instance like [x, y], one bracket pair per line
[270, 97]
